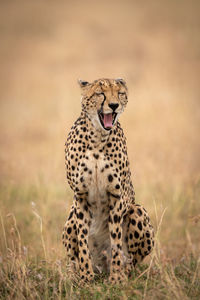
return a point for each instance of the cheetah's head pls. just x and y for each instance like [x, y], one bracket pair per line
[103, 101]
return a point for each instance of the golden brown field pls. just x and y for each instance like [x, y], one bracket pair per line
[45, 46]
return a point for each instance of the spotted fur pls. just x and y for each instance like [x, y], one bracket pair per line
[106, 230]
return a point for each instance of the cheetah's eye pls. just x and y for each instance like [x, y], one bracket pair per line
[121, 94]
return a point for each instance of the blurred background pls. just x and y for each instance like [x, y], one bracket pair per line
[45, 47]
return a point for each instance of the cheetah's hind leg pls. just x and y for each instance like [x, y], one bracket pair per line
[139, 235]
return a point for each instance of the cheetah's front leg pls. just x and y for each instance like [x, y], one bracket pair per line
[83, 216]
[117, 274]
[70, 241]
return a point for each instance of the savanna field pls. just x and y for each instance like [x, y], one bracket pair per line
[44, 48]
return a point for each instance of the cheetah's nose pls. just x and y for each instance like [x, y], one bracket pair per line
[113, 106]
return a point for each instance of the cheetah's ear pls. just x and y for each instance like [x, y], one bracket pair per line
[83, 83]
[120, 80]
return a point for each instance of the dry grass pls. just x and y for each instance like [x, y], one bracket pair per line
[44, 49]
[33, 264]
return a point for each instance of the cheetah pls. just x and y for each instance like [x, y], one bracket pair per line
[106, 231]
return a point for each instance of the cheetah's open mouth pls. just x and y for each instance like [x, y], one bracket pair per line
[107, 120]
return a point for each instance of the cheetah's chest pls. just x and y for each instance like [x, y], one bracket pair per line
[97, 185]
[95, 180]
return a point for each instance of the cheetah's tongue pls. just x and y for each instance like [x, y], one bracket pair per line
[107, 120]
